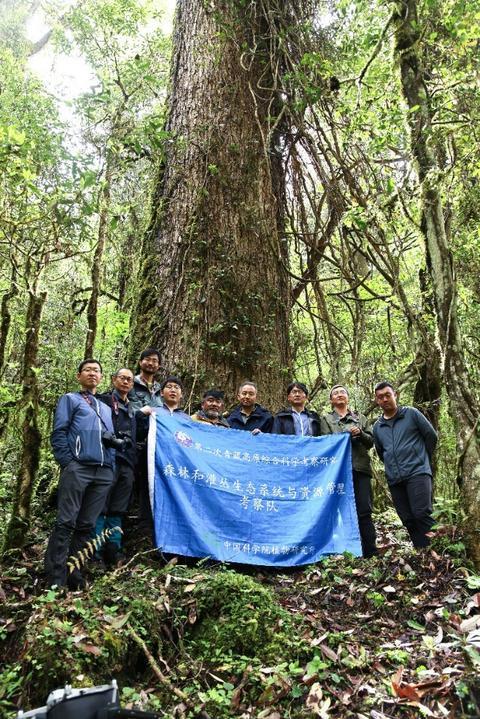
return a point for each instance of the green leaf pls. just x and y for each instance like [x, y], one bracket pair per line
[415, 625]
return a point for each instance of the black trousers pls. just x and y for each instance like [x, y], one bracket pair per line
[412, 498]
[362, 485]
[82, 492]
[145, 516]
[119, 496]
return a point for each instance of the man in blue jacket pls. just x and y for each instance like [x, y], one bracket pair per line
[249, 415]
[87, 464]
[405, 441]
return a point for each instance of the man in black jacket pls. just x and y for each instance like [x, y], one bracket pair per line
[296, 419]
[124, 419]
[249, 415]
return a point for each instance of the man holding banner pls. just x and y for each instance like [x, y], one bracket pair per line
[296, 419]
[264, 500]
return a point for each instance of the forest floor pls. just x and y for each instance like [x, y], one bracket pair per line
[395, 636]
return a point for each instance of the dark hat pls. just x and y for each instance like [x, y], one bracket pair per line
[215, 393]
[174, 380]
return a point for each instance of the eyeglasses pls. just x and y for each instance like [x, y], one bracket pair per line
[172, 386]
[123, 378]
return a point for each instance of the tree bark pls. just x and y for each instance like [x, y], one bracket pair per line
[440, 263]
[31, 438]
[6, 317]
[215, 291]
[97, 262]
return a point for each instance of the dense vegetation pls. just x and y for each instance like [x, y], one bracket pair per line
[305, 204]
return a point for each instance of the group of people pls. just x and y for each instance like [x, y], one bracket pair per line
[100, 442]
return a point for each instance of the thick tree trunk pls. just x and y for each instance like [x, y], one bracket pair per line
[5, 320]
[31, 437]
[97, 262]
[215, 292]
[464, 407]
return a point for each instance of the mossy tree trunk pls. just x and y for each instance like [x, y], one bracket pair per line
[97, 261]
[31, 438]
[464, 406]
[215, 290]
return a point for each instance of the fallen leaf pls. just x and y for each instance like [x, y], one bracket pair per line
[329, 653]
[468, 624]
[316, 703]
[90, 649]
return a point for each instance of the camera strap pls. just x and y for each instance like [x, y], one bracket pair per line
[94, 407]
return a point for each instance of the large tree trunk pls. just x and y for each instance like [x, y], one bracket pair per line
[464, 407]
[31, 437]
[215, 291]
[97, 261]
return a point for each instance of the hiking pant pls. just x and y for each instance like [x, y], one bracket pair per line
[362, 485]
[117, 503]
[145, 515]
[412, 498]
[82, 492]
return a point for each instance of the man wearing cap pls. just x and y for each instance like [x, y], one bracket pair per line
[344, 419]
[405, 441]
[211, 409]
[295, 419]
[249, 415]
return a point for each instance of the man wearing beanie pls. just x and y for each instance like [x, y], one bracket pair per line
[211, 409]
[295, 419]
[344, 419]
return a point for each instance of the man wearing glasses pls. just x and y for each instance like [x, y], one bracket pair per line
[87, 462]
[296, 419]
[145, 393]
[124, 419]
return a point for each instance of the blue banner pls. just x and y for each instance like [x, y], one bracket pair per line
[268, 499]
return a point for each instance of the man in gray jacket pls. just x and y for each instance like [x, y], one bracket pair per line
[405, 441]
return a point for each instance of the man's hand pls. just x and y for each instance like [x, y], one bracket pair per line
[355, 431]
[257, 431]
[147, 409]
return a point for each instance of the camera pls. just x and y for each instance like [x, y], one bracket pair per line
[120, 443]
[93, 703]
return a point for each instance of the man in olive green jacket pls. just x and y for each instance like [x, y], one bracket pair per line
[343, 419]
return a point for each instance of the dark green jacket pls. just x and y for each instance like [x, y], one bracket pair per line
[332, 423]
[140, 395]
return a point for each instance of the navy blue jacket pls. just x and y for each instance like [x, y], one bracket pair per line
[283, 422]
[124, 423]
[260, 419]
[405, 444]
[79, 422]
